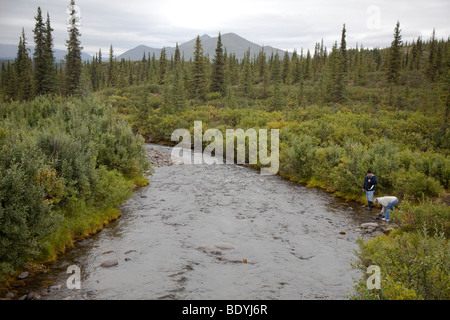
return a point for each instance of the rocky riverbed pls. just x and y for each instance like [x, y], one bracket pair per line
[212, 232]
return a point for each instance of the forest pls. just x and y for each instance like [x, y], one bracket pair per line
[71, 138]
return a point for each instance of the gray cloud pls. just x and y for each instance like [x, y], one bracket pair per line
[286, 24]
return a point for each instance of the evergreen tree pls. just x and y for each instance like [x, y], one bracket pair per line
[296, 68]
[262, 62]
[218, 72]
[419, 53]
[343, 51]
[307, 66]
[264, 72]
[162, 69]
[432, 69]
[395, 58]
[177, 98]
[285, 68]
[9, 80]
[39, 60]
[73, 57]
[23, 68]
[247, 75]
[177, 56]
[198, 77]
[112, 76]
[49, 84]
[412, 61]
[336, 85]
[276, 71]
[94, 73]
[277, 99]
[360, 66]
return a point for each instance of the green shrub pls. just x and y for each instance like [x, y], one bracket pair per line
[25, 218]
[413, 265]
[301, 157]
[416, 185]
[64, 163]
[435, 217]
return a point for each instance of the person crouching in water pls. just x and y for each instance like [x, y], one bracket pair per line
[369, 187]
[387, 203]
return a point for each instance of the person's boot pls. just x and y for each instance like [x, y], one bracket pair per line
[370, 206]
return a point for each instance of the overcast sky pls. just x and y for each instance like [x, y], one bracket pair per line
[284, 24]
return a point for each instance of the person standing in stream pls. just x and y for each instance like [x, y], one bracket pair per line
[369, 187]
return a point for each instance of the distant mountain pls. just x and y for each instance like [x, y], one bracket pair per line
[138, 53]
[231, 42]
[9, 52]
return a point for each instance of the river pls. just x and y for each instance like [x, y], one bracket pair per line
[216, 232]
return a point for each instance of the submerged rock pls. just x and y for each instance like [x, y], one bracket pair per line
[369, 225]
[224, 246]
[23, 275]
[109, 263]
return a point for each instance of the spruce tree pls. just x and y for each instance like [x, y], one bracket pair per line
[307, 66]
[343, 51]
[264, 72]
[49, 84]
[418, 61]
[162, 70]
[285, 68]
[296, 68]
[432, 69]
[39, 59]
[112, 74]
[395, 57]
[277, 99]
[198, 77]
[336, 76]
[276, 71]
[218, 72]
[9, 78]
[177, 56]
[23, 68]
[177, 98]
[73, 57]
[247, 75]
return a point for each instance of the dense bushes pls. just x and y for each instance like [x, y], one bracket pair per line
[63, 165]
[413, 260]
[331, 146]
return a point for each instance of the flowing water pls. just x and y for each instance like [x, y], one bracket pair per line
[216, 232]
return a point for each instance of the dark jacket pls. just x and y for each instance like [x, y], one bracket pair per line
[370, 186]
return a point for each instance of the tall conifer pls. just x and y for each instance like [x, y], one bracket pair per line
[73, 57]
[39, 59]
[198, 79]
[218, 72]
[395, 57]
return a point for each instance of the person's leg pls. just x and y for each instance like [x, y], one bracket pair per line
[369, 196]
[389, 207]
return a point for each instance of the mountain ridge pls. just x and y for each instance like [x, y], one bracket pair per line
[9, 52]
[231, 42]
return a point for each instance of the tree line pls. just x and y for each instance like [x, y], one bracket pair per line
[257, 75]
[36, 74]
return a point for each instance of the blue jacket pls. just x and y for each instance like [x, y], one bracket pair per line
[370, 186]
